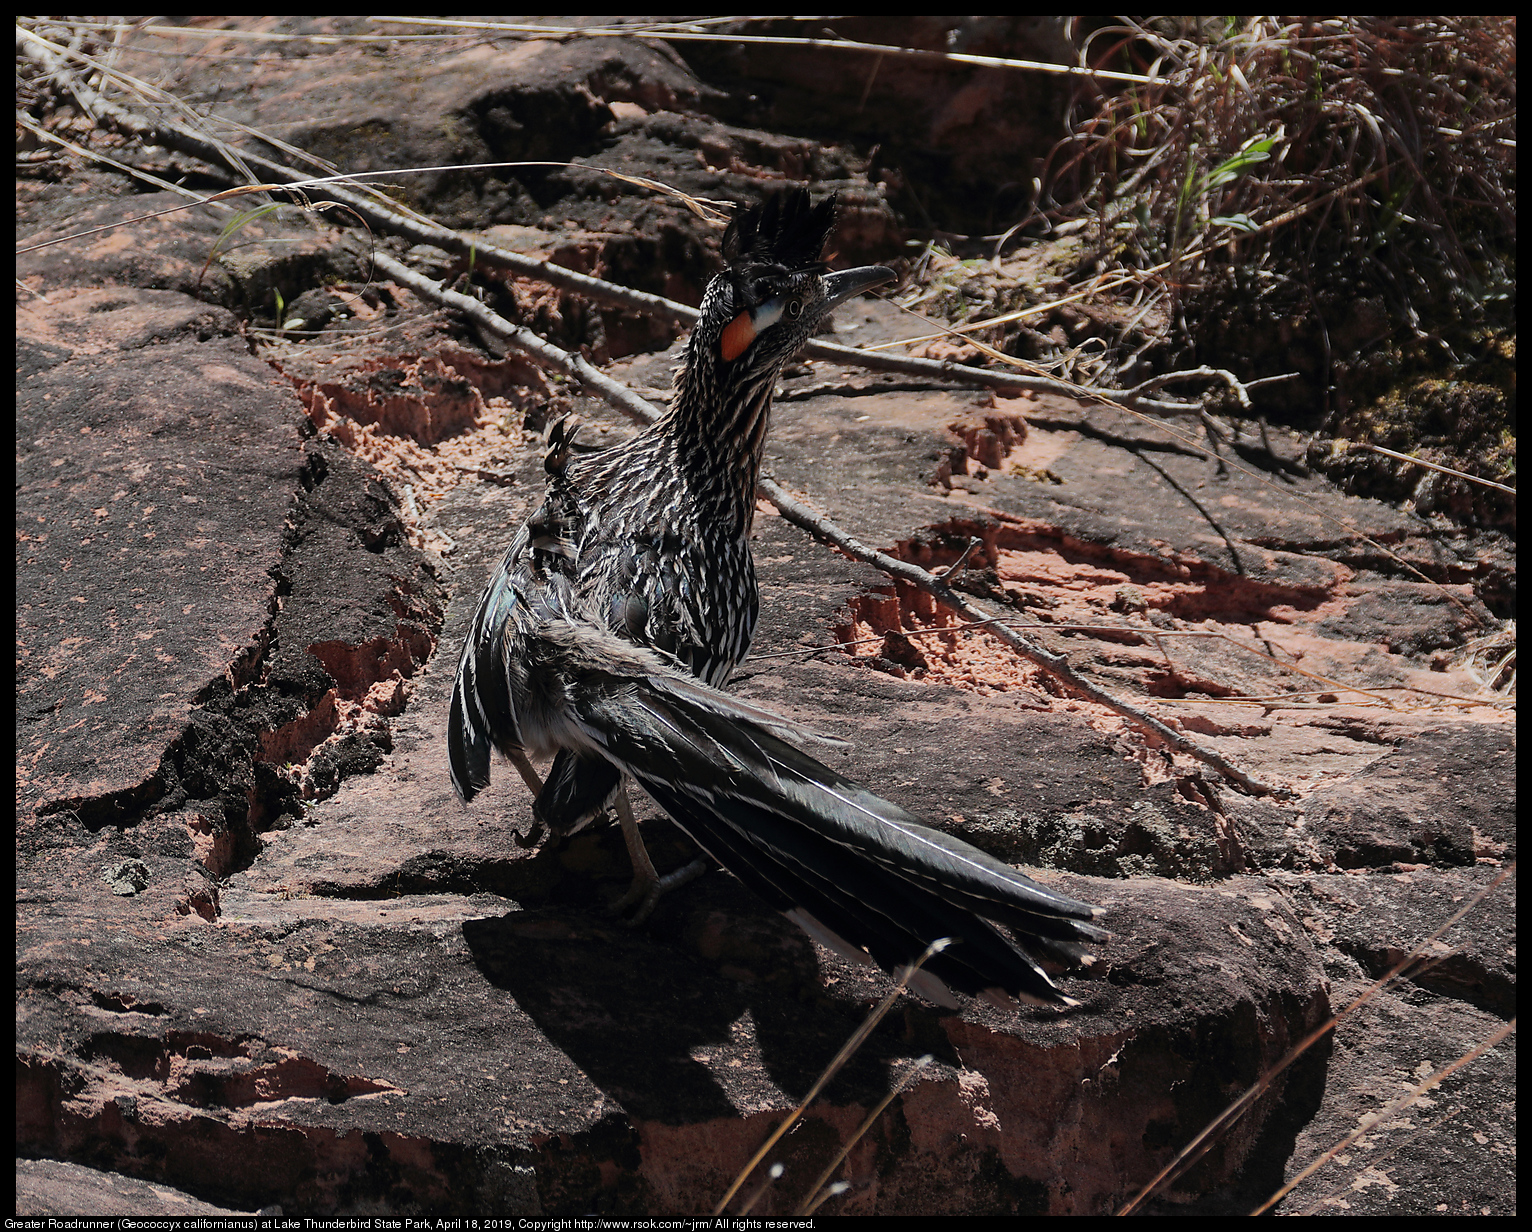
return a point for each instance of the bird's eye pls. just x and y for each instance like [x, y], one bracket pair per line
[794, 308]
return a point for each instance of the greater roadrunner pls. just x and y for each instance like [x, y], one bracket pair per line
[629, 596]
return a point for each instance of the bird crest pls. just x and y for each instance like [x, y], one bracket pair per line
[784, 234]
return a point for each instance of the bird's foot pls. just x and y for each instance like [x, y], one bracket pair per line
[647, 885]
[647, 888]
[532, 837]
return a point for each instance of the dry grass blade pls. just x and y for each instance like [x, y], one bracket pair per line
[831, 1191]
[845, 1054]
[816, 1198]
[703, 208]
[106, 160]
[1392, 1109]
[1194, 1150]
[1434, 466]
[677, 32]
[773, 1175]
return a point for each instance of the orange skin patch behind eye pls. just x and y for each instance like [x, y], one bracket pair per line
[737, 335]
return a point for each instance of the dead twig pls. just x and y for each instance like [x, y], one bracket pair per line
[951, 570]
[1238, 387]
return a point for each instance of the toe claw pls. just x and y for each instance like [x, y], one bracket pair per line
[646, 891]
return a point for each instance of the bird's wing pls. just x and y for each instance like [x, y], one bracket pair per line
[483, 710]
[806, 837]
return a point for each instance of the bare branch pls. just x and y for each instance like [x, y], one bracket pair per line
[1240, 388]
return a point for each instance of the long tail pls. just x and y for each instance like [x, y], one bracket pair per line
[857, 872]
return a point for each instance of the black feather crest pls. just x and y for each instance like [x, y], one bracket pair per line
[784, 233]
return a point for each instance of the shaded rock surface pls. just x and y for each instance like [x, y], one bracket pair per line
[50, 1187]
[266, 959]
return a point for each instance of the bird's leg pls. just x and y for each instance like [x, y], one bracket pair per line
[647, 885]
[528, 774]
[535, 786]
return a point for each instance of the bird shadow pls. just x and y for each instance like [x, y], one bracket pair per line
[715, 1005]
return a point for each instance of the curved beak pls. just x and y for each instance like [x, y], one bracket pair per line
[844, 284]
